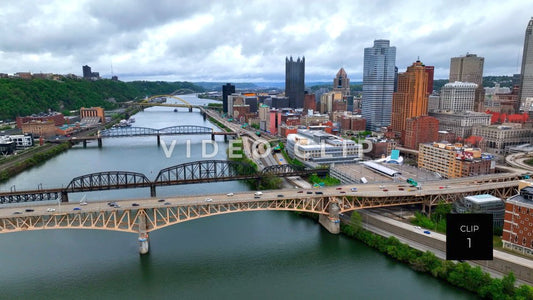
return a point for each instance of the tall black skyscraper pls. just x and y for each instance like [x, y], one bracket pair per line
[87, 74]
[227, 90]
[294, 81]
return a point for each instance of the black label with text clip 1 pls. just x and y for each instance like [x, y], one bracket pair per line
[469, 236]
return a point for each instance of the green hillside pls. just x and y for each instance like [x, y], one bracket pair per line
[20, 97]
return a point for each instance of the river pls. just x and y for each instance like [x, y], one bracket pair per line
[258, 255]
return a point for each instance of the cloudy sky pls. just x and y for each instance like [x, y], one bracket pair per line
[247, 41]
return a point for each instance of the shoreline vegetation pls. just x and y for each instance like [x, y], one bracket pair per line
[43, 153]
[461, 274]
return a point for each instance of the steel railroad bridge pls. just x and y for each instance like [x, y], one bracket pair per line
[187, 173]
[148, 214]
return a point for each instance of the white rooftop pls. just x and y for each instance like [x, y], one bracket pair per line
[484, 198]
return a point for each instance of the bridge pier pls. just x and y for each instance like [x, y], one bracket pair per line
[190, 108]
[225, 138]
[64, 196]
[152, 191]
[144, 239]
[99, 142]
[158, 140]
[204, 115]
[331, 222]
[212, 136]
[84, 143]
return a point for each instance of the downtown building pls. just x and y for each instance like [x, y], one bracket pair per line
[526, 73]
[454, 160]
[227, 90]
[458, 96]
[295, 81]
[341, 83]
[411, 99]
[378, 84]
[469, 68]
[518, 222]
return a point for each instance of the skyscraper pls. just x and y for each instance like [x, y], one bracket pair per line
[227, 90]
[294, 81]
[411, 99]
[341, 83]
[378, 84]
[87, 74]
[526, 74]
[469, 68]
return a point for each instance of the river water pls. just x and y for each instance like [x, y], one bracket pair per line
[251, 255]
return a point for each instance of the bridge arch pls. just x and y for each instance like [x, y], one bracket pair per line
[204, 170]
[168, 96]
[128, 131]
[282, 169]
[107, 181]
[186, 129]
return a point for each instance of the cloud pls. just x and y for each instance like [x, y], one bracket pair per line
[249, 40]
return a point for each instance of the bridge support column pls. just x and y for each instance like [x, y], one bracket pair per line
[158, 140]
[144, 239]
[190, 109]
[64, 196]
[212, 136]
[225, 138]
[99, 142]
[204, 115]
[152, 191]
[84, 143]
[331, 222]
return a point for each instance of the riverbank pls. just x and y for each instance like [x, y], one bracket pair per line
[462, 275]
[37, 155]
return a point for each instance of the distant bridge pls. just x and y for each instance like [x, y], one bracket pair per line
[187, 173]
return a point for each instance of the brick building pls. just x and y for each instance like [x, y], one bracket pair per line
[44, 129]
[93, 112]
[518, 222]
[453, 161]
[57, 118]
[423, 129]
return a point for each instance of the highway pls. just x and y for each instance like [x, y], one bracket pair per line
[367, 190]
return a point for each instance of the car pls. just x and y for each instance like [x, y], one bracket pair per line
[29, 210]
[258, 193]
[385, 190]
[381, 186]
[441, 187]
[83, 203]
[339, 188]
[76, 208]
[318, 193]
[135, 204]
[167, 203]
[309, 192]
[343, 192]
[230, 194]
[116, 206]
[111, 203]
[354, 189]
[257, 197]
[280, 195]
[299, 192]
[50, 209]
[411, 190]
[418, 227]
[208, 199]
[17, 213]
[400, 189]
[427, 232]
[161, 200]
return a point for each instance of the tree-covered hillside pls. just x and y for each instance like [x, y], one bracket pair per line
[20, 97]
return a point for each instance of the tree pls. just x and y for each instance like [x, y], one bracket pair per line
[356, 221]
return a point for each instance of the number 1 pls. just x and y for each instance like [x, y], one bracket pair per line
[469, 243]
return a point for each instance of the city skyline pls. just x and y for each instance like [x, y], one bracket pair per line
[198, 41]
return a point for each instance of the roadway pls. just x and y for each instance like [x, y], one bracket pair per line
[363, 190]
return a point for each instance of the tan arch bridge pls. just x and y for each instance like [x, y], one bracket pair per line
[152, 215]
